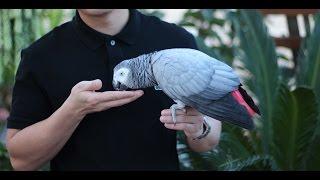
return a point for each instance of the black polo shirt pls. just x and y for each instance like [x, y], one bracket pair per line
[129, 137]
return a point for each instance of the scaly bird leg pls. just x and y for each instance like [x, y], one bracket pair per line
[175, 107]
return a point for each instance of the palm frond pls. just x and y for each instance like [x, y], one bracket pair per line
[309, 63]
[257, 52]
[293, 122]
[310, 60]
[255, 162]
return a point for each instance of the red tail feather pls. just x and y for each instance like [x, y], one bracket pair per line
[237, 95]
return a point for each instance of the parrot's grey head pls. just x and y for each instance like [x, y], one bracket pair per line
[134, 73]
[122, 76]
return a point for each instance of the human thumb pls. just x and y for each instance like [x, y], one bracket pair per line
[89, 85]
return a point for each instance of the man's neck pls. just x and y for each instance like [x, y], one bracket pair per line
[110, 23]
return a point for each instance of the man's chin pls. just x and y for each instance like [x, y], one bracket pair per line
[95, 12]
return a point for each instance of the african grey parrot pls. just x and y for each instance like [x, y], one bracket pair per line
[191, 78]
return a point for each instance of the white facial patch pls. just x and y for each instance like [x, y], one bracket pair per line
[121, 75]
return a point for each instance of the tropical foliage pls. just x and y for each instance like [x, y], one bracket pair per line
[288, 127]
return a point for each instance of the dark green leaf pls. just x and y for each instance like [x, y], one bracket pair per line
[309, 60]
[294, 125]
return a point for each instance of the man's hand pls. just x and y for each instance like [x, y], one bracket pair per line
[37, 144]
[84, 100]
[190, 121]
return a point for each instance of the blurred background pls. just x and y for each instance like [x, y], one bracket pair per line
[276, 53]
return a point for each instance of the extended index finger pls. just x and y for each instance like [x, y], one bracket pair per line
[167, 112]
[189, 111]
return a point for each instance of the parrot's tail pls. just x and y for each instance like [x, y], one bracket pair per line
[248, 100]
[245, 100]
[237, 95]
[236, 108]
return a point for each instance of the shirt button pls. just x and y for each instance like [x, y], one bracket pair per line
[112, 42]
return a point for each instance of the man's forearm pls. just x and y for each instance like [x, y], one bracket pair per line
[208, 142]
[37, 144]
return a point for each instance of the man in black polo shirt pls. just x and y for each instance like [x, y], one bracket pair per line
[64, 109]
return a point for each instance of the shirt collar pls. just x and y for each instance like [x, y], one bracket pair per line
[94, 39]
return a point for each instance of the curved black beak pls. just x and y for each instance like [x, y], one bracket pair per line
[118, 86]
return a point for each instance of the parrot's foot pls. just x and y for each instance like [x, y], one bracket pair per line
[173, 109]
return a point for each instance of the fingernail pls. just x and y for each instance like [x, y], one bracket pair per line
[163, 111]
[97, 81]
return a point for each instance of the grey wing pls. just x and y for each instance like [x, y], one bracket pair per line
[196, 83]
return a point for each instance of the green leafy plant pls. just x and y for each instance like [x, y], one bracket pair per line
[4, 159]
[18, 29]
[289, 125]
[206, 23]
[309, 60]
[5, 164]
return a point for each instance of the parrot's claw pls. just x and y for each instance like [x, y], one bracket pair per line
[173, 113]
[173, 109]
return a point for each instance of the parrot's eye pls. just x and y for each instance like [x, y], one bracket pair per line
[121, 73]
